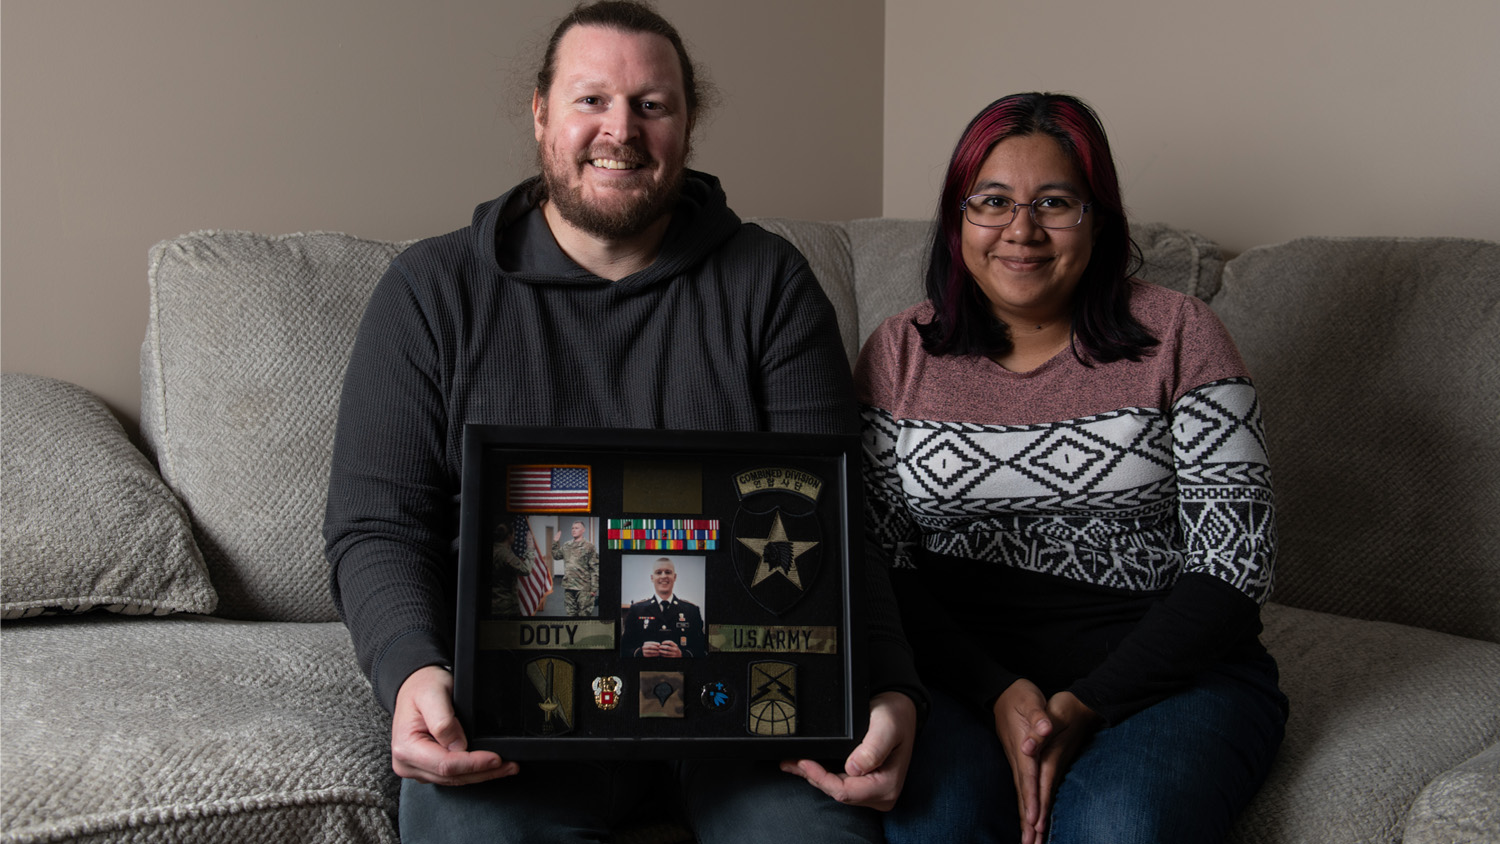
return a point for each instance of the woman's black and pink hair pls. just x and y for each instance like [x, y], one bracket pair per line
[1103, 328]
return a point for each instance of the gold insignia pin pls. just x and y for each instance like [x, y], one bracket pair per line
[607, 692]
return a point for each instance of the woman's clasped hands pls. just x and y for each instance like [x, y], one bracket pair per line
[1041, 737]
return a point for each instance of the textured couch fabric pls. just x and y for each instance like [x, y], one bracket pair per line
[88, 523]
[190, 728]
[1384, 351]
[1376, 362]
[240, 375]
[1461, 805]
[1378, 711]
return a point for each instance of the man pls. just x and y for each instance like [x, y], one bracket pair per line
[691, 320]
[663, 625]
[580, 571]
[506, 568]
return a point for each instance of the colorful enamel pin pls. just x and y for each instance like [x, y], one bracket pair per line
[607, 692]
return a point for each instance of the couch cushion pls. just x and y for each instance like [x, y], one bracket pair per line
[88, 523]
[1377, 711]
[890, 263]
[241, 371]
[1461, 805]
[826, 247]
[1180, 259]
[1376, 365]
[190, 729]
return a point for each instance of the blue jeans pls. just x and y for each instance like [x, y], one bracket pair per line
[725, 802]
[1178, 771]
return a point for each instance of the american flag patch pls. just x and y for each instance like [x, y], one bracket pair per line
[548, 489]
[663, 534]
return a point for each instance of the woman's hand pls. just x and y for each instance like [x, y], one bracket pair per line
[1022, 724]
[1073, 724]
[1041, 738]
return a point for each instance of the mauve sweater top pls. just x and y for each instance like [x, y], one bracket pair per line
[1105, 529]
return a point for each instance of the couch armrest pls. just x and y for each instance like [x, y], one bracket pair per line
[1460, 805]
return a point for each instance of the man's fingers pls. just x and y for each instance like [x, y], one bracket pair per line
[427, 741]
[419, 755]
[872, 752]
[444, 728]
[427, 762]
[816, 774]
[871, 791]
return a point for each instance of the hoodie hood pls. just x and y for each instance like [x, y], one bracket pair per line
[701, 222]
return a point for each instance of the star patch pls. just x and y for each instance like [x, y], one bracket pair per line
[777, 555]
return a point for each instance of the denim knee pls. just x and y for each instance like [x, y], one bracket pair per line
[742, 802]
[958, 787]
[1177, 772]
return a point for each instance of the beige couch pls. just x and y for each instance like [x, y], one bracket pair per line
[194, 683]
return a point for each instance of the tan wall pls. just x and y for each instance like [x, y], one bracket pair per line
[1250, 122]
[129, 121]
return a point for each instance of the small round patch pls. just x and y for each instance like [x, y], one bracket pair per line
[716, 696]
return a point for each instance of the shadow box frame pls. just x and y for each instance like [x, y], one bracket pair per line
[746, 479]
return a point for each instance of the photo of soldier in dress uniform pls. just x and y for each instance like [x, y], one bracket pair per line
[667, 624]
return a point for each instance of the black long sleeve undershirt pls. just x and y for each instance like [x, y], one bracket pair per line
[1117, 653]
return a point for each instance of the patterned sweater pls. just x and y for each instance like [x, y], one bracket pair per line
[1107, 530]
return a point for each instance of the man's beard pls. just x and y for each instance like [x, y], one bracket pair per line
[612, 223]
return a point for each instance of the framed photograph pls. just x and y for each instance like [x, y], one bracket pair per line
[659, 594]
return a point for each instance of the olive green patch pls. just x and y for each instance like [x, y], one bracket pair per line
[578, 635]
[760, 638]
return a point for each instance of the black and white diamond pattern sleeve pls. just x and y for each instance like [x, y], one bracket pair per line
[1224, 496]
[887, 522]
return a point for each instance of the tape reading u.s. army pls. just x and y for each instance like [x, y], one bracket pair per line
[758, 638]
[583, 635]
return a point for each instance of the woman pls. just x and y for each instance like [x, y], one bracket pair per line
[1066, 468]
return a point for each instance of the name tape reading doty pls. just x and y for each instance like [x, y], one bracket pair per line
[547, 635]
